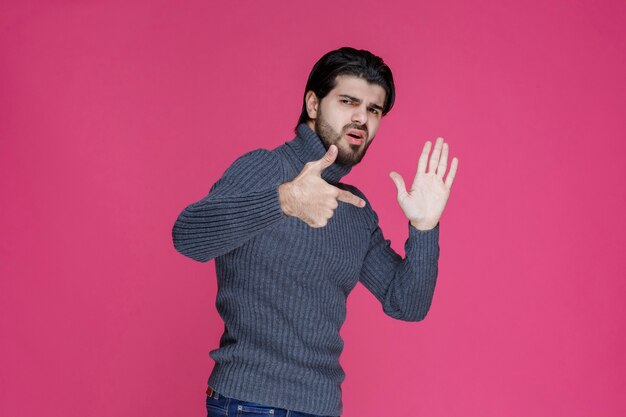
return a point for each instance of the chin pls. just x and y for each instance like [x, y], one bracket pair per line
[349, 159]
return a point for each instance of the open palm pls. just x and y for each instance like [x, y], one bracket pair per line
[424, 202]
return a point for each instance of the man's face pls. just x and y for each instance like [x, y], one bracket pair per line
[348, 117]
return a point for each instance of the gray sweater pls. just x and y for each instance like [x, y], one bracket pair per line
[282, 285]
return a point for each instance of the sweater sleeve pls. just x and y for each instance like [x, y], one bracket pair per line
[405, 287]
[240, 205]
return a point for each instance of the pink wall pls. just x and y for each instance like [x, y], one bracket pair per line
[115, 116]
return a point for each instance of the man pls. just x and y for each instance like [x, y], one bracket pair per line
[290, 241]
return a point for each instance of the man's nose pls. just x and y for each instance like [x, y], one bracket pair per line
[359, 115]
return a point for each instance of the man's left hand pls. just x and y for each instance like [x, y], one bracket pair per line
[423, 204]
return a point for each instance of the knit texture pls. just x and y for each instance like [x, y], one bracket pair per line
[283, 285]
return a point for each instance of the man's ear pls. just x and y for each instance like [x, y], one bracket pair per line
[311, 104]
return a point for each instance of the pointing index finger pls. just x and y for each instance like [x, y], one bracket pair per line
[348, 197]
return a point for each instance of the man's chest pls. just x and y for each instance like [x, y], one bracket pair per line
[330, 255]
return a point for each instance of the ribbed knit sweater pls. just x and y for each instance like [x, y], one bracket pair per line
[282, 285]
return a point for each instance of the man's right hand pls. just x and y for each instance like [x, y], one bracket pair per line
[310, 198]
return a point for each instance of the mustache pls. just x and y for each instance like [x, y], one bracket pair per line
[355, 126]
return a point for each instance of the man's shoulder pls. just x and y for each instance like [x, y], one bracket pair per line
[254, 169]
[255, 160]
[259, 155]
[263, 155]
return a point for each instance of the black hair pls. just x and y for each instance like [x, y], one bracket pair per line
[348, 61]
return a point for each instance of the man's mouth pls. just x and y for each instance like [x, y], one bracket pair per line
[355, 136]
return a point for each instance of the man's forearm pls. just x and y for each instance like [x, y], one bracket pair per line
[214, 226]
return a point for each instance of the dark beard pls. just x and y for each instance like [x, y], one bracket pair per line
[328, 136]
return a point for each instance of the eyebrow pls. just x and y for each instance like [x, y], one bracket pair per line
[374, 106]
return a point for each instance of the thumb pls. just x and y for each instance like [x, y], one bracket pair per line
[326, 160]
[399, 182]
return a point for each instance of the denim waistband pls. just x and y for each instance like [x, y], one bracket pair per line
[232, 407]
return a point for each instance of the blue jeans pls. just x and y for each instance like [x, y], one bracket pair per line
[219, 406]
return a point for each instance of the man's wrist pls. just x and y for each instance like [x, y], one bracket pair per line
[283, 197]
[423, 226]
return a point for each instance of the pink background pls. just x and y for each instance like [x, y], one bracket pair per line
[115, 116]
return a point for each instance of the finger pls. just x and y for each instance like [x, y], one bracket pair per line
[421, 164]
[452, 173]
[399, 182]
[443, 161]
[434, 158]
[326, 160]
[348, 197]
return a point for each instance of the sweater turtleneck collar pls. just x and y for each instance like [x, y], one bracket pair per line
[309, 147]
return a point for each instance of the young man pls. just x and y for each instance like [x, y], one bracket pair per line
[290, 241]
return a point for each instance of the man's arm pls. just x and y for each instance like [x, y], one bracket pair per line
[404, 287]
[240, 205]
[249, 198]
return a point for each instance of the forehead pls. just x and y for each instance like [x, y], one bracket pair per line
[359, 88]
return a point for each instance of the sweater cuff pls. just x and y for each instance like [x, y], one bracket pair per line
[423, 244]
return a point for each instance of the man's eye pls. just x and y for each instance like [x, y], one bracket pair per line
[374, 111]
[345, 101]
